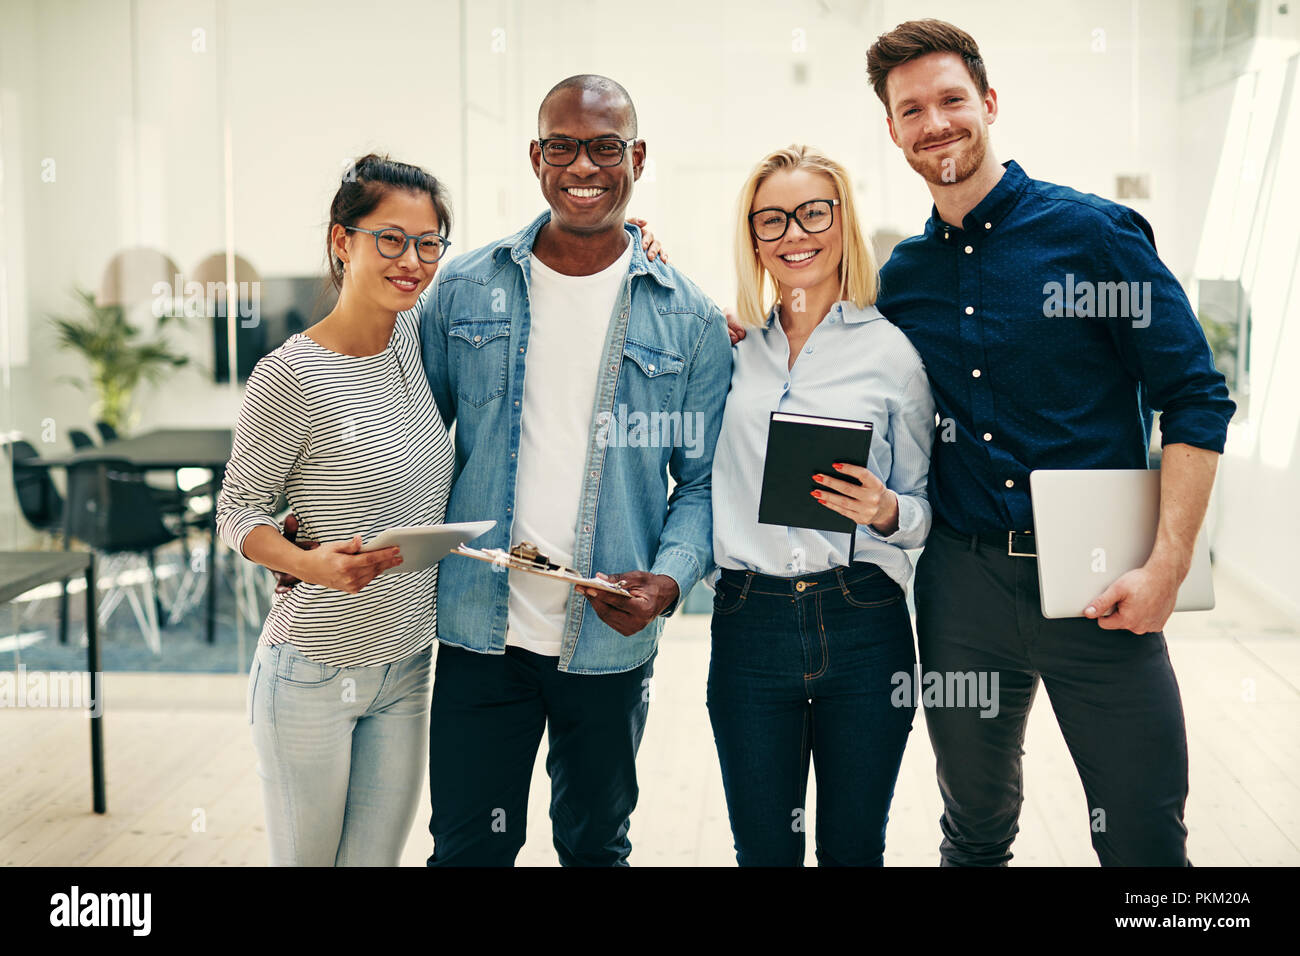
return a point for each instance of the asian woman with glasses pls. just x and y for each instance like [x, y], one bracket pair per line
[339, 420]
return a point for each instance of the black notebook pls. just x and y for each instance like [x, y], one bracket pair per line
[798, 447]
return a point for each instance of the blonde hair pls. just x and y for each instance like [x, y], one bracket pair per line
[858, 280]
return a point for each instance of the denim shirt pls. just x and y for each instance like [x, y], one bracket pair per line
[660, 393]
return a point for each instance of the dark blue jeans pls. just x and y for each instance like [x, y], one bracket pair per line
[485, 725]
[803, 667]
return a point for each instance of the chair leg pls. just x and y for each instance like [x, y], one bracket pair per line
[142, 609]
[159, 610]
[152, 611]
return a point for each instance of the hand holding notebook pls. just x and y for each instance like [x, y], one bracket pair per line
[798, 447]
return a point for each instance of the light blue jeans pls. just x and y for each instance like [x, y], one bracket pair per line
[341, 752]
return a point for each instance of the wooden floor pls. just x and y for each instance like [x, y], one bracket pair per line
[182, 790]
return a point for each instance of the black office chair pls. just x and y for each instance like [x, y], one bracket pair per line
[110, 509]
[80, 439]
[38, 499]
[106, 431]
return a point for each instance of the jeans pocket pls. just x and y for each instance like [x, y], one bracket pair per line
[728, 598]
[876, 590]
[295, 668]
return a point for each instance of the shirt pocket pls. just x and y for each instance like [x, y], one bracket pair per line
[479, 353]
[650, 376]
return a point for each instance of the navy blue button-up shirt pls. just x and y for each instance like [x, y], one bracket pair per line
[1050, 330]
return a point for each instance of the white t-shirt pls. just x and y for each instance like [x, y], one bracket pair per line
[570, 316]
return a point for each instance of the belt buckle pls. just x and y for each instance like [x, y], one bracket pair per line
[1011, 546]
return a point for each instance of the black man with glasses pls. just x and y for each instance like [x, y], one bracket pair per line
[556, 352]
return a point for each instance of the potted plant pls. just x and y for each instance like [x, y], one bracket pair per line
[118, 357]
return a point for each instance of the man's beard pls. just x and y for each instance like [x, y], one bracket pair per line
[952, 169]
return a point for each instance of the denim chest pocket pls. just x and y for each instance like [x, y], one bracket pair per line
[479, 352]
[651, 374]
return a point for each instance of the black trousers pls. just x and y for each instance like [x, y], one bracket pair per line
[1114, 694]
[486, 721]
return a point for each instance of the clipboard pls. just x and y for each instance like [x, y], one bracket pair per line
[525, 557]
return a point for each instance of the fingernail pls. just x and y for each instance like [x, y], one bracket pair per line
[1090, 610]
[819, 477]
[837, 466]
[816, 494]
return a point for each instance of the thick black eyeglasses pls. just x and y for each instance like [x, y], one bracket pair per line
[392, 243]
[815, 215]
[602, 151]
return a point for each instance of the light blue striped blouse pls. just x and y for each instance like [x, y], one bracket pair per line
[855, 365]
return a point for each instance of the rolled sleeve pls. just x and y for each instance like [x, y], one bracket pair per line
[1165, 348]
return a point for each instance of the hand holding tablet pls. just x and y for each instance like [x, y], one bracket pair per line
[425, 545]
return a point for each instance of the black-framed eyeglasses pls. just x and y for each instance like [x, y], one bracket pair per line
[815, 215]
[392, 243]
[602, 151]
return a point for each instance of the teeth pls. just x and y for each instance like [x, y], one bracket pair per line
[799, 256]
[585, 193]
[403, 283]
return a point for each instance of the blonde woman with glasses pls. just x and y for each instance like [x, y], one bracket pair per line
[808, 639]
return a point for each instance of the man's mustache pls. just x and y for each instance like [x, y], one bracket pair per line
[934, 142]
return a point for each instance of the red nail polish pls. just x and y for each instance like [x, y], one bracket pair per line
[819, 477]
[816, 494]
[837, 466]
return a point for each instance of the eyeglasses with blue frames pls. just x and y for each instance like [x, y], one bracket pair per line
[815, 215]
[602, 151]
[392, 243]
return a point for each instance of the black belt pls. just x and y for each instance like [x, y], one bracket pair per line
[1016, 544]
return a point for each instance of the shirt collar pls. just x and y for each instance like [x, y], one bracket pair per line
[990, 210]
[520, 246]
[845, 309]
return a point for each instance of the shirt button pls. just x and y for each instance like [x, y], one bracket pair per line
[988, 225]
[521, 350]
[970, 310]
[593, 474]
[512, 454]
[1010, 483]
[649, 368]
[587, 528]
[975, 373]
[478, 338]
[988, 436]
[808, 350]
[969, 250]
[785, 387]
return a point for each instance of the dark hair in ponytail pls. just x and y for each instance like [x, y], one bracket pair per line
[365, 183]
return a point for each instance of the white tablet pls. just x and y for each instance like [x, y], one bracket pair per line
[426, 545]
[1093, 525]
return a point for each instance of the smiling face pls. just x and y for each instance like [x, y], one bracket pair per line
[799, 259]
[938, 118]
[584, 197]
[392, 284]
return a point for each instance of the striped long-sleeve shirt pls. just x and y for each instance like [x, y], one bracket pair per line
[357, 446]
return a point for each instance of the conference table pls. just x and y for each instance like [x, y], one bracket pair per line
[20, 572]
[164, 449]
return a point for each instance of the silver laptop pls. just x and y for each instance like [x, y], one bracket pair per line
[1092, 526]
